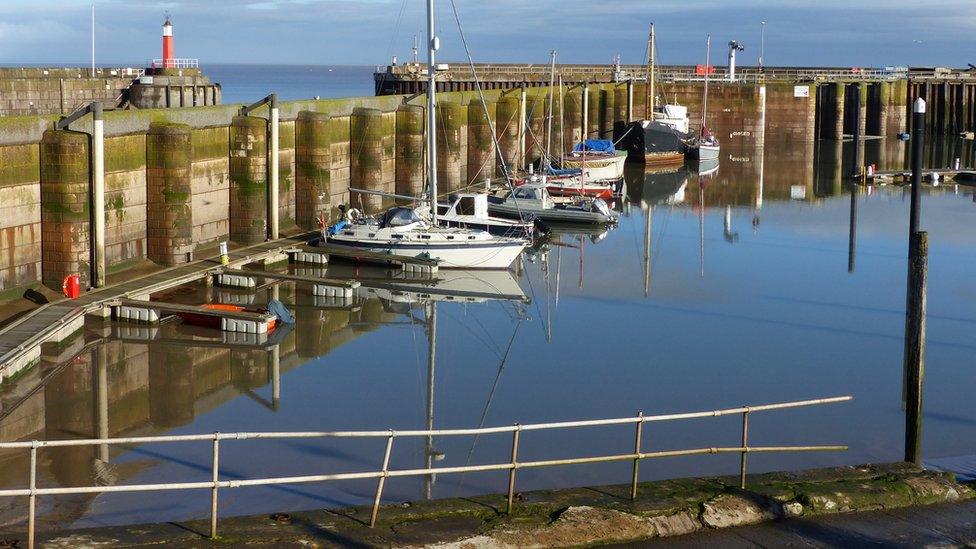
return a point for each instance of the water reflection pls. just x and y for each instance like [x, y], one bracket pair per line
[782, 314]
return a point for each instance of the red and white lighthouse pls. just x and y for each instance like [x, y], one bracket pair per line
[168, 59]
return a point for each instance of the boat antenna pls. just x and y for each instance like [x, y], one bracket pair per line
[433, 44]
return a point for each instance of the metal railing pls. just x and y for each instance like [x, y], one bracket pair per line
[176, 63]
[215, 483]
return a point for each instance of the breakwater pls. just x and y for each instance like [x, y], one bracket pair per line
[41, 91]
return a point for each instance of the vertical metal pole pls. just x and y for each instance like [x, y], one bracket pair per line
[523, 113]
[382, 481]
[858, 156]
[98, 196]
[432, 45]
[745, 449]
[511, 472]
[276, 376]
[586, 110]
[213, 491]
[101, 391]
[637, 451]
[915, 344]
[273, 170]
[630, 100]
[32, 498]
[918, 146]
[852, 233]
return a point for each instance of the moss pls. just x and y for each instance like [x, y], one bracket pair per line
[209, 143]
[175, 197]
[19, 164]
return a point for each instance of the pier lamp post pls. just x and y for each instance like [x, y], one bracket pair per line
[97, 189]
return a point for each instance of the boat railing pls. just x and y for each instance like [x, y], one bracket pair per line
[216, 483]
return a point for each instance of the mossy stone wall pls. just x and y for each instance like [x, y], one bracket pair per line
[64, 207]
[20, 215]
[410, 149]
[248, 180]
[169, 193]
[481, 146]
[312, 168]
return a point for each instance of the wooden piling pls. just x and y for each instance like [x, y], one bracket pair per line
[915, 344]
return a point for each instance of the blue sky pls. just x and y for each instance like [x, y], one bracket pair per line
[821, 32]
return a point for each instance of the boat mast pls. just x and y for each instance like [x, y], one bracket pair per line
[552, 96]
[650, 100]
[433, 43]
[708, 52]
[562, 127]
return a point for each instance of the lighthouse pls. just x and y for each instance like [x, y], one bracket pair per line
[168, 60]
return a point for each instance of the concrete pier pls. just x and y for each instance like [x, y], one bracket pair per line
[410, 178]
[248, 179]
[366, 157]
[572, 115]
[481, 145]
[592, 111]
[535, 113]
[169, 204]
[313, 172]
[451, 138]
[507, 129]
[65, 207]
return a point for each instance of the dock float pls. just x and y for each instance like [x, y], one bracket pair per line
[21, 340]
[410, 265]
[230, 321]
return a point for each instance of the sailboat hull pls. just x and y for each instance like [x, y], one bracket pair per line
[486, 255]
[653, 143]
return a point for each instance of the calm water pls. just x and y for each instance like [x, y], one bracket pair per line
[248, 83]
[674, 310]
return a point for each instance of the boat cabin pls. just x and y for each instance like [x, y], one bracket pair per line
[535, 193]
[469, 204]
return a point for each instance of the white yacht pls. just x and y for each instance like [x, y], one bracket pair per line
[409, 232]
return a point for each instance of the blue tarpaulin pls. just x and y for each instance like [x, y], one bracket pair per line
[564, 171]
[595, 145]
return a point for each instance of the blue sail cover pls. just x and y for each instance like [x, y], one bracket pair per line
[563, 171]
[595, 145]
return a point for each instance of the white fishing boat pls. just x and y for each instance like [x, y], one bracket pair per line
[417, 232]
[597, 159]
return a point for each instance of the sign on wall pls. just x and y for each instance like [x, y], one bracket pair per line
[801, 91]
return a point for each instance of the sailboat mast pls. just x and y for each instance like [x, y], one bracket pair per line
[650, 76]
[708, 54]
[552, 97]
[562, 125]
[432, 45]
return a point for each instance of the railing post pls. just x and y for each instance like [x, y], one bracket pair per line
[637, 451]
[382, 481]
[32, 498]
[213, 491]
[511, 472]
[745, 449]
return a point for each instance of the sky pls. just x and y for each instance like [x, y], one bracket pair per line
[369, 32]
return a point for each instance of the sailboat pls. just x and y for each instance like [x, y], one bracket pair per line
[706, 147]
[416, 232]
[663, 138]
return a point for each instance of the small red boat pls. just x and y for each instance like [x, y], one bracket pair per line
[212, 321]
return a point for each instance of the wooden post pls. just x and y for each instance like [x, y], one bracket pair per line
[915, 344]
[918, 152]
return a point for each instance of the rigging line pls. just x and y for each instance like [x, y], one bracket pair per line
[535, 301]
[484, 105]
[491, 394]
[487, 342]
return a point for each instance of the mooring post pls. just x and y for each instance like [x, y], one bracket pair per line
[857, 157]
[273, 169]
[918, 145]
[98, 196]
[915, 344]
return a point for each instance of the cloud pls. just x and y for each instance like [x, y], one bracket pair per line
[798, 32]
